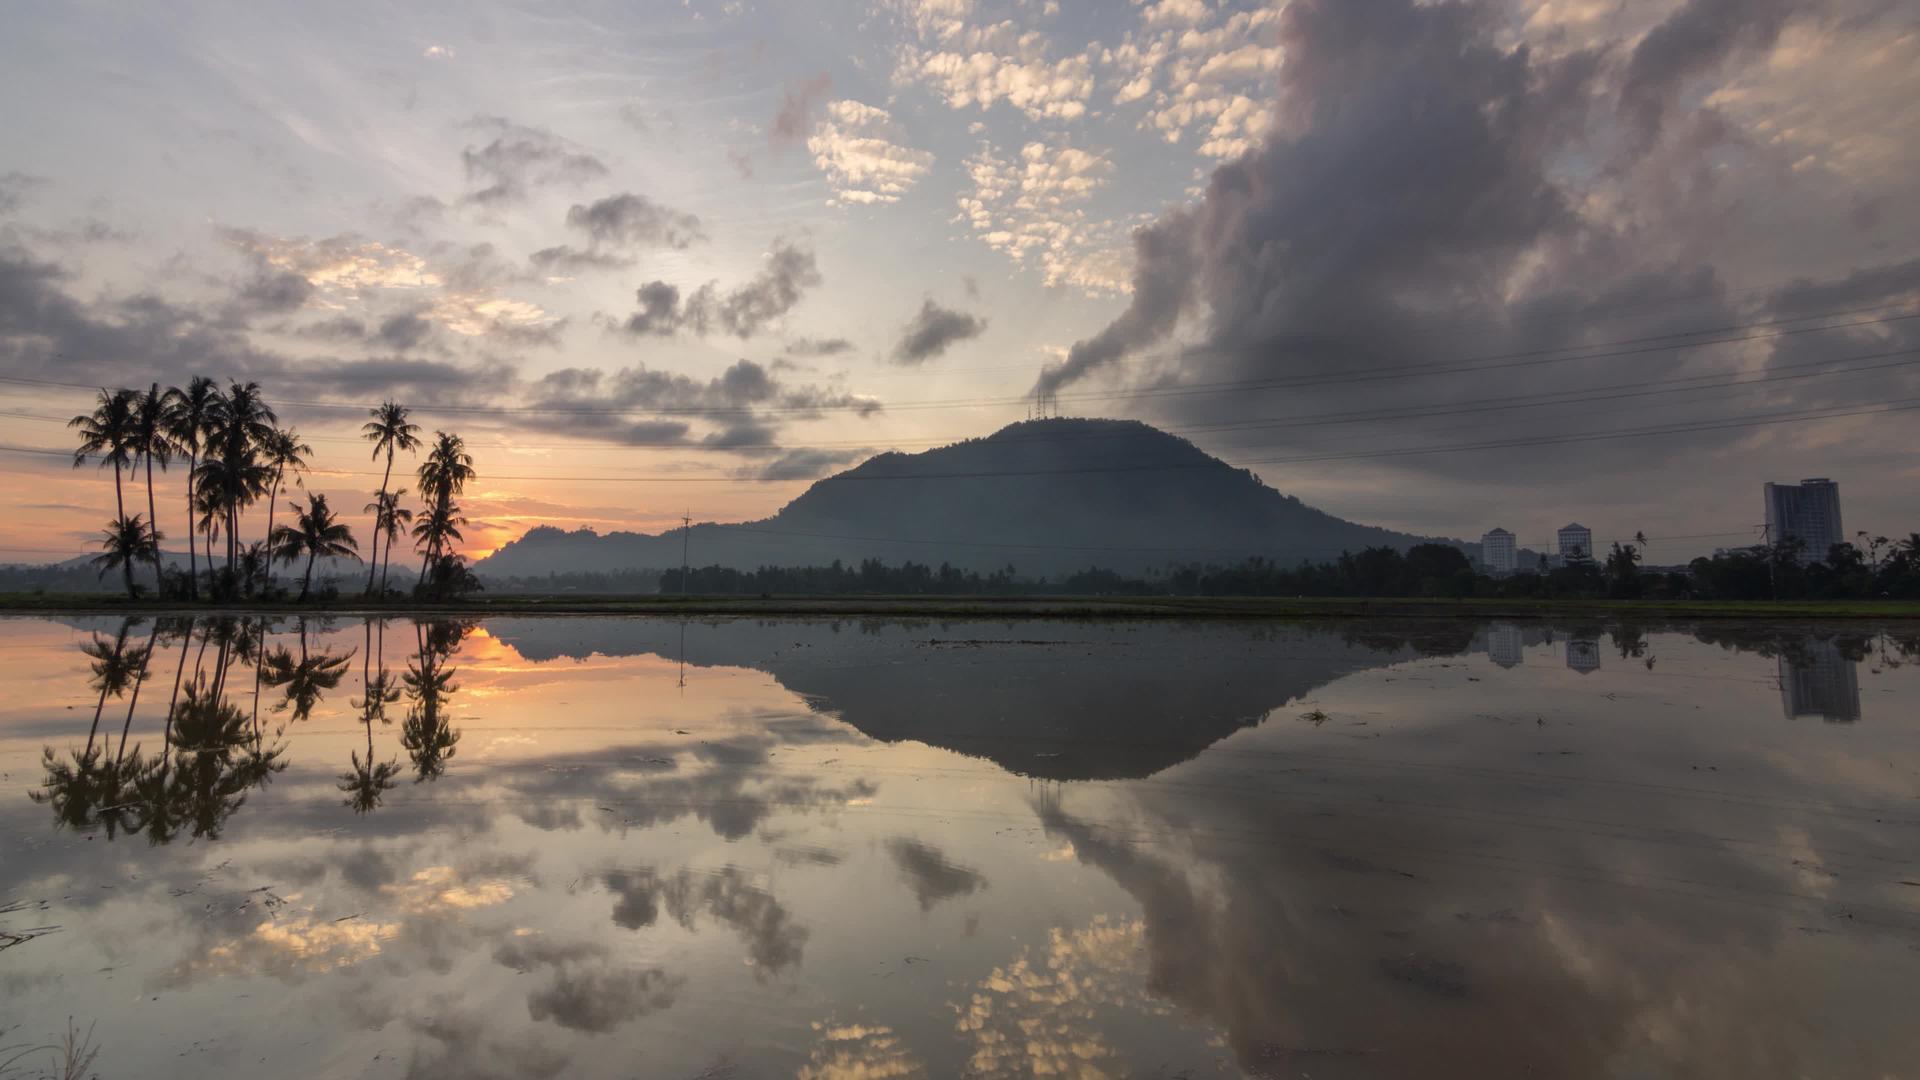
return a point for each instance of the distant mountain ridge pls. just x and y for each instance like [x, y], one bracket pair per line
[1046, 496]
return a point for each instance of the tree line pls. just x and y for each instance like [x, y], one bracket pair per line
[237, 456]
[1877, 568]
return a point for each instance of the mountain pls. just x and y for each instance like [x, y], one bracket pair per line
[1047, 496]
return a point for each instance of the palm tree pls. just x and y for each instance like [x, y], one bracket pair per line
[316, 532]
[189, 414]
[388, 431]
[281, 451]
[152, 442]
[442, 476]
[389, 520]
[241, 425]
[435, 531]
[123, 543]
[107, 431]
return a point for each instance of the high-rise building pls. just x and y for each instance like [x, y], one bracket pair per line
[1808, 511]
[1818, 681]
[1498, 552]
[1576, 543]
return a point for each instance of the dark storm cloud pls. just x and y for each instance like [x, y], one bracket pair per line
[743, 311]
[629, 220]
[932, 330]
[795, 119]
[932, 877]
[519, 158]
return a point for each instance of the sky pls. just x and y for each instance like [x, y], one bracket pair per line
[1431, 266]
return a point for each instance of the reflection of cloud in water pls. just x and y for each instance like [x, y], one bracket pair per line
[930, 875]
[858, 1052]
[1039, 1016]
[601, 998]
[774, 941]
[293, 944]
[439, 887]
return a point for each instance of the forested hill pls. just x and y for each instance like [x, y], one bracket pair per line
[1046, 496]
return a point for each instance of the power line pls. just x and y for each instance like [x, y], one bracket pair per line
[1610, 392]
[1829, 412]
[1771, 329]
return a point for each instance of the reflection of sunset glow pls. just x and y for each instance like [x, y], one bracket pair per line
[1028, 1020]
[300, 943]
[438, 887]
[858, 1052]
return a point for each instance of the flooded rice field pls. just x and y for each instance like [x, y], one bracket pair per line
[630, 847]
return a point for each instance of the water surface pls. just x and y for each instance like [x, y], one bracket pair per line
[630, 847]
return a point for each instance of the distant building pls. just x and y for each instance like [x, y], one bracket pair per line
[1498, 552]
[1810, 511]
[1504, 644]
[1583, 654]
[1818, 681]
[1576, 543]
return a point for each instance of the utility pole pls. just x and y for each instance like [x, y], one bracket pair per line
[1773, 580]
[686, 533]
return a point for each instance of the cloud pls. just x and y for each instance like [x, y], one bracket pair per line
[932, 330]
[742, 311]
[805, 464]
[1033, 210]
[795, 118]
[629, 220]
[567, 259]
[14, 186]
[818, 346]
[929, 873]
[744, 405]
[1693, 41]
[519, 158]
[855, 146]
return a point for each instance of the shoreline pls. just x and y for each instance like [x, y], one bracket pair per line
[1016, 607]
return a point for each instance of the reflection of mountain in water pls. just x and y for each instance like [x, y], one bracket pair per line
[1058, 701]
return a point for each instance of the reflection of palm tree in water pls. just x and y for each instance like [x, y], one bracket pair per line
[369, 780]
[207, 763]
[306, 679]
[427, 733]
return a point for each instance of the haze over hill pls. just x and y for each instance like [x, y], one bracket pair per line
[1047, 496]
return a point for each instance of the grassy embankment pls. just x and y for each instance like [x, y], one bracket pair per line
[1175, 607]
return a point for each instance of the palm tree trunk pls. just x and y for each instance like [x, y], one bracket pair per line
[153, 525]
[193, 565]
[166, 737]
[272, 499]
[133, 699]
[384, 477]
[306, 580]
